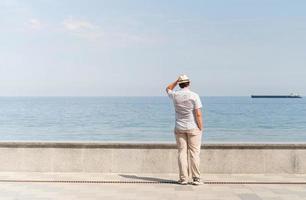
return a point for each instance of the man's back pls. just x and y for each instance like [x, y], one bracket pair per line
[185, 102]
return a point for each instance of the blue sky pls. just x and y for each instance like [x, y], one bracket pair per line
[136, 47]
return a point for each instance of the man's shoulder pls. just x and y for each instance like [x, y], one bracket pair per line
[189, 92]
[194, 93]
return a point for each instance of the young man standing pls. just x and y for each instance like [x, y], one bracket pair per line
[188, 128]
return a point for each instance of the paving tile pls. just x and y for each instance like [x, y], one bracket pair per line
[183, 188]
[249, 196]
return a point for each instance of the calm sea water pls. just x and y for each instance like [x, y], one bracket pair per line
[148, 119]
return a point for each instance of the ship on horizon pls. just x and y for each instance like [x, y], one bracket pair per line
[277, 96]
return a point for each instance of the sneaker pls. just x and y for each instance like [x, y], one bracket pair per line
[197, 181]
[182, 182]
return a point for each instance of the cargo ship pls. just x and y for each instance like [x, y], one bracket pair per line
[277, 96]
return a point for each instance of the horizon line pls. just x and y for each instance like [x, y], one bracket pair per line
[117, 96]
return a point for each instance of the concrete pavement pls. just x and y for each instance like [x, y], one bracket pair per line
[72, 186]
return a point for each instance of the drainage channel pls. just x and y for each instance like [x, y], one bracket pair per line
[152, 182]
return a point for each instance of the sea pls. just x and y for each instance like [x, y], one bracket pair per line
[148, 119]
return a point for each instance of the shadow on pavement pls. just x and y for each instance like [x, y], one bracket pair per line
[145, 178]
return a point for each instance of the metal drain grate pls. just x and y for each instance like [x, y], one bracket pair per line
[254, 182]
[95, 182]
[151, 182]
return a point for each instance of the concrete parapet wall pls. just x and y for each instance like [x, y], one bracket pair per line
[149, 157]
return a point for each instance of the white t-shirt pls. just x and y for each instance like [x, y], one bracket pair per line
[185, 102]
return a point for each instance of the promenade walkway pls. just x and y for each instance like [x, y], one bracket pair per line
[73, 186]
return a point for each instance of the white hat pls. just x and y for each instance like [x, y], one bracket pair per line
[183, 79]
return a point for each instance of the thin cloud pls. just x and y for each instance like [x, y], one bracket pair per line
[35, 24]
[78, 25]
[91, 31]
[82, 28]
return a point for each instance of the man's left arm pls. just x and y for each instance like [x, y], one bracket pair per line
[199, 119]
[198, 112]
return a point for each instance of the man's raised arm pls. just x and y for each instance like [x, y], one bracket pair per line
[171, 86]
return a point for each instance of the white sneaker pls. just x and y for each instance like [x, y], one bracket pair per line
[182, 182]
[197, 181]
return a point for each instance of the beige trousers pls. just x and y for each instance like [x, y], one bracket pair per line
[188, 143]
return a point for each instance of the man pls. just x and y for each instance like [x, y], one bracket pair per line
[188, 128]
